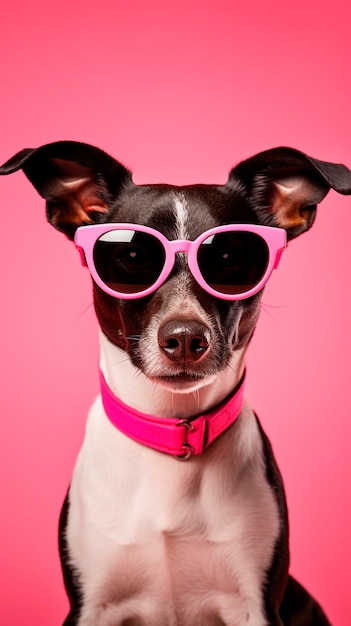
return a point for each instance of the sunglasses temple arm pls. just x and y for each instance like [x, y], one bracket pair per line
[278, 257]
[82, 256]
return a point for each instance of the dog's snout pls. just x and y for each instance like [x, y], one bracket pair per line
[184, 341]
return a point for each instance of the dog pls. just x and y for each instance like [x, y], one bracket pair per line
[176, 513]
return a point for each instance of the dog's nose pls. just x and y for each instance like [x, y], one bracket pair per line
[184, 340]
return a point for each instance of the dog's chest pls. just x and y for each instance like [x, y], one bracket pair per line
[167, 543]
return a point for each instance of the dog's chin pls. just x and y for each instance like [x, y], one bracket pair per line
[182, 382]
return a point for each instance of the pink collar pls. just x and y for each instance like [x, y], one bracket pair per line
[178, 437]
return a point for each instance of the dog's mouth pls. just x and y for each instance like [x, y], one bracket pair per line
[183, 381]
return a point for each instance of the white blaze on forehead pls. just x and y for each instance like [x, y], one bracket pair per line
[181, 215]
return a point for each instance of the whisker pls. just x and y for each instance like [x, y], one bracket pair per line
[85, 310]
[123, 360]
[137, 372]
[133, 337]
[265, 307]
[236, 331]
[154, 388]
[273, 306]
[231, 367]
[172, 400]
[196, 395]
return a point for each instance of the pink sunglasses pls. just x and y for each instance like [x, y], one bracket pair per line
[230, 262]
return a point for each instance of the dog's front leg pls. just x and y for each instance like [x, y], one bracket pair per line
[69, 575]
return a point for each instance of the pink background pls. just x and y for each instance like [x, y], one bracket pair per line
[179, 92]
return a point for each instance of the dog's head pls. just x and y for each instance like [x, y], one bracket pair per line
[178, 335]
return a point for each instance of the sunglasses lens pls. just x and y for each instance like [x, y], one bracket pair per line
[234, 262]
[128, 261]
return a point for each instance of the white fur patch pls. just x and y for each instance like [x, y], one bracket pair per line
[181, 214]
[167, 543]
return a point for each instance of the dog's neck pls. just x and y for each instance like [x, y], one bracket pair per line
[136, 390]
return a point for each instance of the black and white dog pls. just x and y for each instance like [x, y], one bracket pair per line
[178, 274]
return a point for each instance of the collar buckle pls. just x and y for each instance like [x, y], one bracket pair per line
[187, 447]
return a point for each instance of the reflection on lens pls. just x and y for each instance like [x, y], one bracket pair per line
[128, 261]
[233, 262]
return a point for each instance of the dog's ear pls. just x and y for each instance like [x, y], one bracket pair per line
[284, 186]
[79, 182]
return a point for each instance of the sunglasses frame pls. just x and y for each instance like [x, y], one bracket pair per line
[87, 236]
